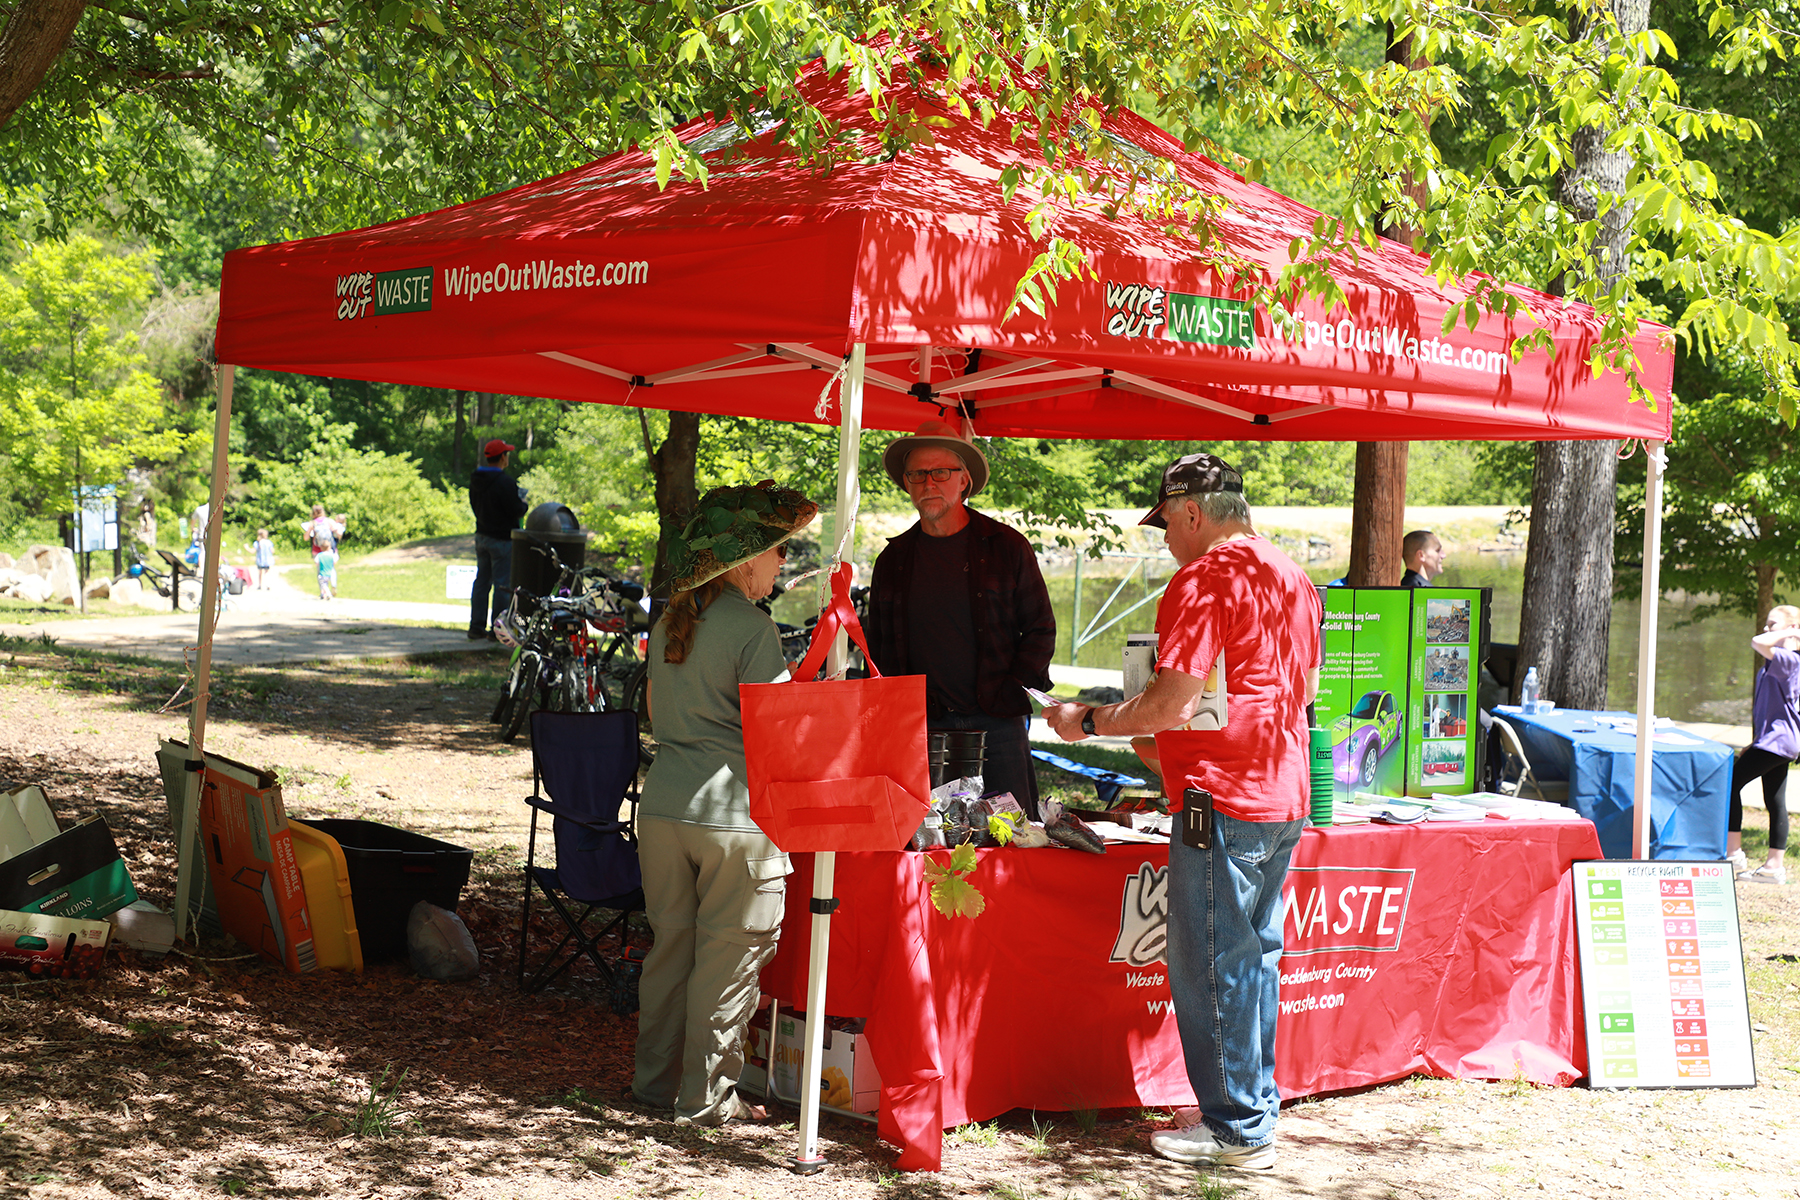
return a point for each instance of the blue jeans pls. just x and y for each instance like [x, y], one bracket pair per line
[493, 569]
[1225, 970]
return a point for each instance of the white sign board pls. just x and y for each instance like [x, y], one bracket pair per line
[459, 582]
[1662, 975]
[97, 520]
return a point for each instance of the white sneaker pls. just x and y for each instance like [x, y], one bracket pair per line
[1738, 863]
[1766, 874]
[1197, 1146]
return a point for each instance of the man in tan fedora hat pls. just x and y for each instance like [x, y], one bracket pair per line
[959, 599]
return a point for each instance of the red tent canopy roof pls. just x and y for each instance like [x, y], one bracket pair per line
[742, 297]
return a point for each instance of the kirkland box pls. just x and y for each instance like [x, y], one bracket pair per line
[77, 873]
[390, 871]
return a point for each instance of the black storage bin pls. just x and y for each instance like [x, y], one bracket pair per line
[390, 871]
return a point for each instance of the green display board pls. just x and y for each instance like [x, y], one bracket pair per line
[1449, 640]
[1397, 688]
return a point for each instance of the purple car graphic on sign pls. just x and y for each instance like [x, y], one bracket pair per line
[1362, 735]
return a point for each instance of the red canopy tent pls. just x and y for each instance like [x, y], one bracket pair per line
[598, 285]
[891, 273]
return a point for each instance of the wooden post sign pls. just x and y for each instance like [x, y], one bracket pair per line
[1662, 975]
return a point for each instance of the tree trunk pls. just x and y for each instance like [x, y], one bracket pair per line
[1378, 510]
[1378, 515]
[30, 43]
[1765, 594]
[1566, 615]
[456, 436]
[484, 409]
[1567, 619]
[672, 466]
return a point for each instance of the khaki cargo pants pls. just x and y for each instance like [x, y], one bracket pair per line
[714, 898]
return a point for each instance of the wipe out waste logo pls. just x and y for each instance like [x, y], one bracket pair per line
[379, 293]
[1142, 310]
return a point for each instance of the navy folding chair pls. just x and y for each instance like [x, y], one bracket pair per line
[583, 772]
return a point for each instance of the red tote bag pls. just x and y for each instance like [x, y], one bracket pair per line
[837, 765]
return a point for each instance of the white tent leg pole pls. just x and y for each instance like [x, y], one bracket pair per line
[849, 494]
[808, 1160]
[215, 520]
[1646, 698]
[849, 489]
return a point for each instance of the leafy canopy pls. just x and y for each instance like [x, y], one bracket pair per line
[374, 111]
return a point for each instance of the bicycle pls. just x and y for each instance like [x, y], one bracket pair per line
[558, 662]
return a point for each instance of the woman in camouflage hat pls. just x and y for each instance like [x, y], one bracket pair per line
[714, 884]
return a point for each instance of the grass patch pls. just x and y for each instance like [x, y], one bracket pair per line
[975, 1134]
[412, 582]
[378, 1115]
[28, 612]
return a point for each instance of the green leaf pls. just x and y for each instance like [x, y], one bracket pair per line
[954, 896]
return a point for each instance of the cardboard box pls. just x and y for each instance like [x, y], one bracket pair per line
[256, 879]
[25, 820]
[848, 1080]
[755, 1078]
[78, 873]
[52, 947]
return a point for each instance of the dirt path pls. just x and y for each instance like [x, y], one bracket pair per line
[214, 1075]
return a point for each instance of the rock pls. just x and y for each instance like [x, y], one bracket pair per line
[98, 588]
[7, 562]
[9, 576]
[34, 588]
[57, 565]
[129, 591]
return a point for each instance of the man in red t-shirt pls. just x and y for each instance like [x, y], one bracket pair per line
[1237, 597]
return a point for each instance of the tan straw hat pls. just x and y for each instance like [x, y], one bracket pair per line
[935, 435]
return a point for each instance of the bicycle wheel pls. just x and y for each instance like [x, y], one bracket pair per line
[508, 689]
[530, 673]
[574, 687]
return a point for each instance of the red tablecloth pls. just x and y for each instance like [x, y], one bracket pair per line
[1442, 949]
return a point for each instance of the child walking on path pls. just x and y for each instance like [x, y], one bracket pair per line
[265, 558]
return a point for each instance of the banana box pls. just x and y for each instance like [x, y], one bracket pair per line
[848, 1082]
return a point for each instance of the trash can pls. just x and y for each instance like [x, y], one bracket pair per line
[552, 539]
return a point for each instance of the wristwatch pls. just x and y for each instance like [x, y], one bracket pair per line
[1087, 724]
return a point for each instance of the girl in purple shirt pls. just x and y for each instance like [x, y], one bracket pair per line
[1775, 726]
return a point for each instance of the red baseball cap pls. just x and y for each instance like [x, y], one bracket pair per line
[495, 448]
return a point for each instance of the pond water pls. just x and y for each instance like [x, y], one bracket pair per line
[1704, 668]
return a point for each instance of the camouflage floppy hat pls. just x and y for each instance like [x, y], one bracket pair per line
[732, 525]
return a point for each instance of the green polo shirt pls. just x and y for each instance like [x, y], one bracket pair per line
[698, 775]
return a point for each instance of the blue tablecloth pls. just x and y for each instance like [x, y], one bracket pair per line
[1689, 789]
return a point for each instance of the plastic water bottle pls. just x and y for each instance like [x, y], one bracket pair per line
[1528, 691]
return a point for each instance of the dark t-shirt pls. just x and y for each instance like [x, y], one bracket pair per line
[940, 629]
[1413, 579]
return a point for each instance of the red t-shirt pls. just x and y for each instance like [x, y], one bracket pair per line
[1251, 600]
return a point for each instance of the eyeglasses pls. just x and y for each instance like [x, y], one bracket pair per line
[936, 474]
[781, 551]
